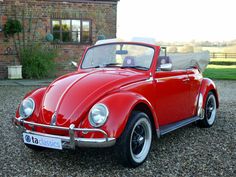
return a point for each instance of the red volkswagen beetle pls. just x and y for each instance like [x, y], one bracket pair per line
[123, 94]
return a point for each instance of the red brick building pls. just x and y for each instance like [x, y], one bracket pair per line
[84, 20]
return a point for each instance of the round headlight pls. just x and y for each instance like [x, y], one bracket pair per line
[98, 115]
[26, 108]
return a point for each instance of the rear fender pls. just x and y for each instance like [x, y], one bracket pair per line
[208, 85]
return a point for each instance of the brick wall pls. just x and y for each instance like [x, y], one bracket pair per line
[101, 13]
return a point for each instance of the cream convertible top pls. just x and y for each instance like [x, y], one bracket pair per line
[178, 60]
[187, 60]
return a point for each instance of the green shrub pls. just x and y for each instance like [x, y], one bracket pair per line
[38, 61]
[11, 27]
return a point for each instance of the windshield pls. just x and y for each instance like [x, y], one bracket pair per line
[119, 55]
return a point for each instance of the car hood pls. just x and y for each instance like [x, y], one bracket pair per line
[69, 98]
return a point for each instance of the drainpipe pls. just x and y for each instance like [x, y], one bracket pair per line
[1, 17]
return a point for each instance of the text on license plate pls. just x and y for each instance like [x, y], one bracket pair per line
[42, 141]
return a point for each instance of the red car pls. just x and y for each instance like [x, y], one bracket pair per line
[123, 94]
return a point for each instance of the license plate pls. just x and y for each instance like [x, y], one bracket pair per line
[42, 141]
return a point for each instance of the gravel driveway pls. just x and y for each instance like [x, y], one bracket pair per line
[189, 151]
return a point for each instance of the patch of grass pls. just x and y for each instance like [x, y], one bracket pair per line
[222, 63]
[220, 72]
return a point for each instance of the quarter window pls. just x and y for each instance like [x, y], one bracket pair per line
[72, 31]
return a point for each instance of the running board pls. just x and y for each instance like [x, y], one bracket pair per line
[171, 127]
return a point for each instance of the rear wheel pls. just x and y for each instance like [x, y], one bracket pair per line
[135, 142]
[210, 111]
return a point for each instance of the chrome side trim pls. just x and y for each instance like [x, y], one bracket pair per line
[70, 141]
[171, 127]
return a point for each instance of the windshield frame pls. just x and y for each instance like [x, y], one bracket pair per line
[114, 43]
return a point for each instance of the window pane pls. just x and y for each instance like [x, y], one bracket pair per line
[86, 25]
[56, 25]
[86, 38]
[67, 30]
[86, 32]
[66, 37]
[65, 25]
[75, 25]
[56, 36]
[76, 36]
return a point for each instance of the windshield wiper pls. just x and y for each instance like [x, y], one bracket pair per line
[119, 65]
[112, 64]
[106, 65]
[136, 67]
[98, 66]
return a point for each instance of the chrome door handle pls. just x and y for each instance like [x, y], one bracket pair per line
[185, 79]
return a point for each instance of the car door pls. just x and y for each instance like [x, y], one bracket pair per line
[172, 96]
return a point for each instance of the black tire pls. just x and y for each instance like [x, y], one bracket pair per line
[210, 112]
[133, 146]
[34, 148]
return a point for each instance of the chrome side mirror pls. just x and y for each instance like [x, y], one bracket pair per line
[166, 67]
[73, 63]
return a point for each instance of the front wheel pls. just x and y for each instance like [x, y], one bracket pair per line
[135, 142]
[210, 112]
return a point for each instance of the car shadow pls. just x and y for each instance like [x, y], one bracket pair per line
[84, 158]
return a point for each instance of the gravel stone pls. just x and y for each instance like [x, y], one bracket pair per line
[189, 151]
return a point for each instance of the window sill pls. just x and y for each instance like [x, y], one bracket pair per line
[70, 43]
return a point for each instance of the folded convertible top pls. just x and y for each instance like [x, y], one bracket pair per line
[188, 60]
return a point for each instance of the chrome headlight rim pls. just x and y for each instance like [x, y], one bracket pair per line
[91, 121]
[33, 107]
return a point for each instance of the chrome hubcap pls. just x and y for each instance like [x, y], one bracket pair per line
[138, 139]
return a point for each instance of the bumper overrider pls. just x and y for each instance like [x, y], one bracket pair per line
[68, 142]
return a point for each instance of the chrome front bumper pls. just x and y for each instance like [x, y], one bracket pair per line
[69, 142]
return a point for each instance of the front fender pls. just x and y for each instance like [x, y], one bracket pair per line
[37, 96]
[120, 106]
[208, 85]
